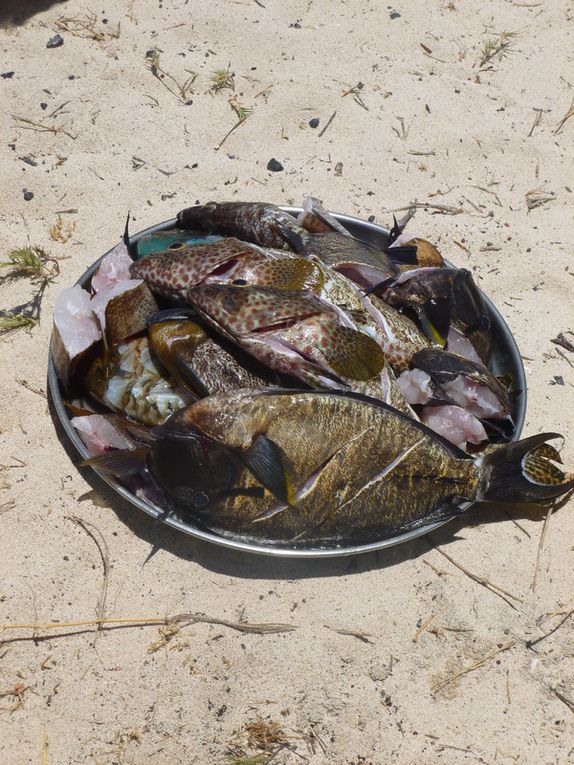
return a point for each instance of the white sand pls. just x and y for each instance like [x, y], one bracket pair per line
[107, 699]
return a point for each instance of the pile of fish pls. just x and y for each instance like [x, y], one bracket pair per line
[276, 379]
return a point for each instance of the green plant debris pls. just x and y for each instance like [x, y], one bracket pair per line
[87, 27]
[10, 322]
[497, 44]
[222, 79]
[33, 263]
[181, 90]
[30, 262]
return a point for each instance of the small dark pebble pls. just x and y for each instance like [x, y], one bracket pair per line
[55, 41]
[394, 15]
[149, 53]
[71, 76]
[7, 75]
[43, 106]
[558, 380]
[104, 21]
[29, 160]
[28, 195]
[371, 218]
[189, 103]
[274, 166]
[314, 123]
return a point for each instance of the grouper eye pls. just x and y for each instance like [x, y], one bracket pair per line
[176, 246]
[239, 282]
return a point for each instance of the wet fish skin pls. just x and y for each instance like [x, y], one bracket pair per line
[250, 221]
[174, 271]
[362, 263]
[292, 331]
[444, 368]
[410, 478]
[442, 297]
[160, 241]
[206, 364]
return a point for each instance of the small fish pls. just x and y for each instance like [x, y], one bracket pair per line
[163, 240]
[362, 263]
[441, 298]
[250, 221]
[131, 384]
[291, 331]
[325, 467]
[203, 362]
[420, 252]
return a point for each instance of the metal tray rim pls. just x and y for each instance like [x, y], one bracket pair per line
[238, 544]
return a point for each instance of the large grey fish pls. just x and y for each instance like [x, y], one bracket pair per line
[327, 467]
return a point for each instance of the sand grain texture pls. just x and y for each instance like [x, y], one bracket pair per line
[427, 124]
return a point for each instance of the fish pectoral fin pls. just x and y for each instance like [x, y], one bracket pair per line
[435, 321]
[266, 461]
[290, 234]
[353, 354]
[121, 462]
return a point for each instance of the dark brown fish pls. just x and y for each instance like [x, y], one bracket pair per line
[204, 363]
[442, 298]
[251, 221]
[328, 468]
[362, 263]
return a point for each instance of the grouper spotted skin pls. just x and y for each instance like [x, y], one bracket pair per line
[325, 467]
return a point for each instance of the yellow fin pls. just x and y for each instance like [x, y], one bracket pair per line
[353, 354]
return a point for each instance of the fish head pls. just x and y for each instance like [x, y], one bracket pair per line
[241, 311]
[183, 266]
[193, 469]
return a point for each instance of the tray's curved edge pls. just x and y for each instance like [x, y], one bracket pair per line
[380, 233]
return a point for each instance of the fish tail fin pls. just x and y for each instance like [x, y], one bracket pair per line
[120, 462]
[524, 471]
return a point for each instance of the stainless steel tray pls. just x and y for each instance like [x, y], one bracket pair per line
[505, 359]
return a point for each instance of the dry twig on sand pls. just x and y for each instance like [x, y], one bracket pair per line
[186, 619]
[472, 667]
[569, 113]
[181, 90]
[96, 535]
[500, 592]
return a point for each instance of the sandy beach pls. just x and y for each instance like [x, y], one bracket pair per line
[456, 648]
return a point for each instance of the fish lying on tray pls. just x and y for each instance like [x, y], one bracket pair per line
[326, 467]
[306, 388]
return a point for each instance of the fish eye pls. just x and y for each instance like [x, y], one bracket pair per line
[176, 246]
[239, 282]
[199, 499]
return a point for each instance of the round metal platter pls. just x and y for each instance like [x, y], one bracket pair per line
[505, 360]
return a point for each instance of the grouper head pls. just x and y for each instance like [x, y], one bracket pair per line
[183, 266]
